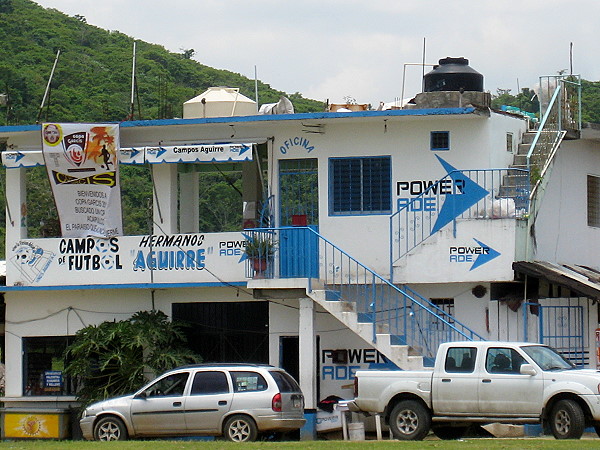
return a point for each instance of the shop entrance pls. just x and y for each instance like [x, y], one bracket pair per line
[226, 331]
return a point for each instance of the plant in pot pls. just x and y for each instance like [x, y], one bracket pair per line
[259, 250]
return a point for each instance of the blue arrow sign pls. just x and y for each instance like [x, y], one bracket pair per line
[485, 257]
[244, 149]
[469, 193]
[244, 256]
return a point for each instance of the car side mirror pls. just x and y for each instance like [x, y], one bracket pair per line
[142, 395]
[527, 369]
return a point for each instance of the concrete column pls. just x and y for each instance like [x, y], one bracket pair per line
[308, 371]
[165, 198]
[189, 206]
[13, 355]
[251, 193]
[16, 207]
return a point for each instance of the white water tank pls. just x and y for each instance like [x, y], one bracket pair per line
[219, 102]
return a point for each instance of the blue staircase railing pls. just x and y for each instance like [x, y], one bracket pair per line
[408, 317]
[461, 194]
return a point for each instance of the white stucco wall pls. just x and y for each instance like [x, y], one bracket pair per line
[561, 229]
[64, 312]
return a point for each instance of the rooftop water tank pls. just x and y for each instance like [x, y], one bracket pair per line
[219, 102]
[453, 74]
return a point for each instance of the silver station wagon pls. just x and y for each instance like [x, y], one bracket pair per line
[237, 401]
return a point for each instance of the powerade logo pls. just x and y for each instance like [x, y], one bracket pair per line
[477, 255]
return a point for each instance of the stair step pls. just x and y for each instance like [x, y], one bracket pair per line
[523, 149]
[515, 180]
[332, 296]
[397, 340]
[365, 317]
[428, 362]
[528, 137]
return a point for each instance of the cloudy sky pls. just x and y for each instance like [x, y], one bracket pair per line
[333, 49]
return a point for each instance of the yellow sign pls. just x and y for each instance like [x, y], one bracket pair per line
[31, 426]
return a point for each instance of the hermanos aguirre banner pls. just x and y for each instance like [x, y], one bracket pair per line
[83, 167]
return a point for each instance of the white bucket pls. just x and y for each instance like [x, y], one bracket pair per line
[356, 431]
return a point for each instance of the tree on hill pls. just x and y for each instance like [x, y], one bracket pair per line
[526, 100]
[92, 81]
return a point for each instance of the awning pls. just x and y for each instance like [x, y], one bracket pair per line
[583, 281]
[186, 153]
[219, 152]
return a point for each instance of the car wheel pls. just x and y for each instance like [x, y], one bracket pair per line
[410, 420]
[567, 420]
[447, 432]
[110, 429]
[240, 428]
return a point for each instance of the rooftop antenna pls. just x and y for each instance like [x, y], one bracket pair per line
[423, 70]
[132, 103]
[48, 87]
[256, 88]
[571, 58]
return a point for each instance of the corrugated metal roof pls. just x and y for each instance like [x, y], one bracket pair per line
[582, 280]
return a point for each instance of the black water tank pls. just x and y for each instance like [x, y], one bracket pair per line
[453, 74]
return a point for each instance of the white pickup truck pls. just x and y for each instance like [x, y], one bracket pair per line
[483, 382]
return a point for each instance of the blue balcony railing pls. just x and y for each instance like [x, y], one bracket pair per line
[461, 194]
[408, 317]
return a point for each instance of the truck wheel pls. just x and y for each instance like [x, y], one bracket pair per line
[410, 420]
[447, 432]
[567, 420]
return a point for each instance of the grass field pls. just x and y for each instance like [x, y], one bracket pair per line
[589, 441]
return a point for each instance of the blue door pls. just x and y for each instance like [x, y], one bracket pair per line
[299, 214]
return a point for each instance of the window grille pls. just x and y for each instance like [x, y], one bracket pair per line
[360, 186]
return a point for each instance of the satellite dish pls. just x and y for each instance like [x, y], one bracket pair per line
[283, 106]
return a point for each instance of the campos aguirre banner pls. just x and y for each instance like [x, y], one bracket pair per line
[82, 164]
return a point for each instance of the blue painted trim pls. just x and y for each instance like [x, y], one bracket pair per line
[119, 286]
[269, 118]
[20, 128]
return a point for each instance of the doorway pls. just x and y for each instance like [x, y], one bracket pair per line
[226, 331]
[298, 207]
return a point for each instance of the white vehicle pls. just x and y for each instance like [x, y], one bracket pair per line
[483, 382]
[237, 401]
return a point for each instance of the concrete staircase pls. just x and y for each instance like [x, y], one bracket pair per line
[404, 356]
[516, 183]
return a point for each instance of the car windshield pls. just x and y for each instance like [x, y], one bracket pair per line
[547, 358]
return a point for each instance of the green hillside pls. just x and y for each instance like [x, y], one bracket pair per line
[92, 81]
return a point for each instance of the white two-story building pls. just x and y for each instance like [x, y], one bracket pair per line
[391, 231]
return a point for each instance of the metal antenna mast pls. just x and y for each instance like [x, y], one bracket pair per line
[132, 104]
[48, 87]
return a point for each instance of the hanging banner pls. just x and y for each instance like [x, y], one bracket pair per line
[222, 152]
[83, 168]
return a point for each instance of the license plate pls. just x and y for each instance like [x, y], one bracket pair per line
[297, 403]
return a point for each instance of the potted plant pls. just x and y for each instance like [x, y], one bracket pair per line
[259, 249]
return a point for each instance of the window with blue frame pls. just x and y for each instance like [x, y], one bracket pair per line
[440, 140]
[360, 186]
